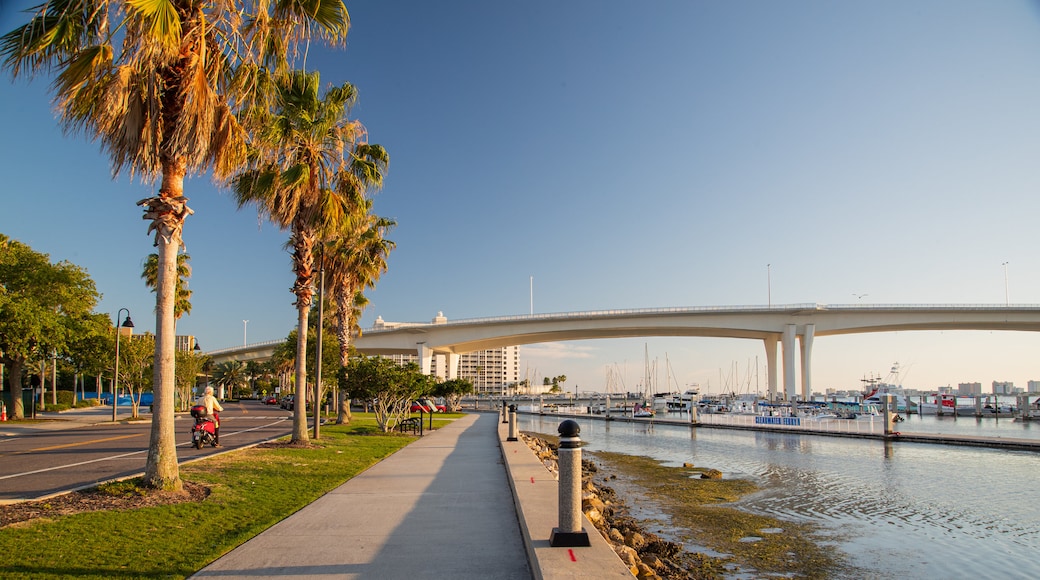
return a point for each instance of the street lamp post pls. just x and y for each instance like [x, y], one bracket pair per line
[1007, 299]
[115, 376]
[245, 325]
[769, 285]
[317, 346]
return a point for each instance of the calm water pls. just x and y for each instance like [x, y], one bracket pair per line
[897, 510]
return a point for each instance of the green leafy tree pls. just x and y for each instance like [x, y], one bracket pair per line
[156, 82]
[182, 296]
[190, 365]
[41, 305]
[301, 177]
[136, 356]
[92, 348]
[453, 390]
[389, 386]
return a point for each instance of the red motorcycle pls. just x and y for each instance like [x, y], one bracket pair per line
[205, 429]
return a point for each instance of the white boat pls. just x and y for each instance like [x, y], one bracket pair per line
[949, 403]
[641, 411]
[684, 401]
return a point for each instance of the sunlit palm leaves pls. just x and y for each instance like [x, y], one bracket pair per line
[157, 83]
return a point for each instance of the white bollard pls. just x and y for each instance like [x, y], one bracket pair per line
[512, 424]
[569, 533]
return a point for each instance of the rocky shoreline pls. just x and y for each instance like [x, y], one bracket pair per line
[647, 555]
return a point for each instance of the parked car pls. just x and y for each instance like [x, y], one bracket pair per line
[271, 400]
[287, 402]
[428, 406]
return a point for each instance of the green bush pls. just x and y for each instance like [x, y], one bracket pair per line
[66, 399]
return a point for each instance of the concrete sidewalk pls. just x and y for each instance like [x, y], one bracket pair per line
[438, 508]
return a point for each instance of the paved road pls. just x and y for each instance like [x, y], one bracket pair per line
[82, 448]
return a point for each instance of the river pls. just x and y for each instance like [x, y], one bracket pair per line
[897, 510]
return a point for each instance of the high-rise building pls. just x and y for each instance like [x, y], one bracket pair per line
[184, 342]
[1033, 386]
[969, 389]
[493, 372]
[1003, 387]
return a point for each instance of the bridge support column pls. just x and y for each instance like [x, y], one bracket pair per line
[787, 341]
[806, 346]
[453, 365]
[771, 370]
[425, 358]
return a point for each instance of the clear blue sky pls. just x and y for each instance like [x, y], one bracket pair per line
[630, 155]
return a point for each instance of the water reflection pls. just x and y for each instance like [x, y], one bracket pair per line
[897, 509]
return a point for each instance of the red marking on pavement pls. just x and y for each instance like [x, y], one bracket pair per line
[532, 480]
[571, 552]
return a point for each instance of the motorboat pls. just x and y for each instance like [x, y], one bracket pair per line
[683, 402]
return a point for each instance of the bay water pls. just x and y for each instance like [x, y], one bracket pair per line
[895, 509]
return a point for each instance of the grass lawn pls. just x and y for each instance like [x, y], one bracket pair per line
[250, 490]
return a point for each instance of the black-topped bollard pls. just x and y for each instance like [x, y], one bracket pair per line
[569, 533]
[512, 424]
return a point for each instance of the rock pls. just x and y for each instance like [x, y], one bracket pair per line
[635, 540]
[616, 536]
[645, 571]
[628, 555]
[594, 516]
[687, 465]
[594, 503]
[653, 561]
[712, 474]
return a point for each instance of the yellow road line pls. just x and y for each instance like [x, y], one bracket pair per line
[92, 441]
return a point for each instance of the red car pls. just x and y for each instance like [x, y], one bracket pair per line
[271, 400]
[426, 405]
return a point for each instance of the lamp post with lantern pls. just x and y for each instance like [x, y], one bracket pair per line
[127, 323]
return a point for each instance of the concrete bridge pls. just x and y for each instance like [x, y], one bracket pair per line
[791, 327]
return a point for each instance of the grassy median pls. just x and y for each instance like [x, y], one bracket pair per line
[249, 491]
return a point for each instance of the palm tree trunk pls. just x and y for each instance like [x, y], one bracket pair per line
[300, 434]
[167, 212]
[344, 303]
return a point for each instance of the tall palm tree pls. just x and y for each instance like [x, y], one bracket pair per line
[355, 261]
[155, 81]
[303, 176]
[182, 295]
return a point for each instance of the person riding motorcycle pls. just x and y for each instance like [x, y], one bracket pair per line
[212, 406]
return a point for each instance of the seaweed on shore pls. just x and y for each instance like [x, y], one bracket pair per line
[749, 541]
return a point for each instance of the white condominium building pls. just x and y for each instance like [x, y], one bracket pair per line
[493, 372]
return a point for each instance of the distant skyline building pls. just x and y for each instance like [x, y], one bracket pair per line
[969, 389]
[1033, 386]
[493, 372]
[1003, 388]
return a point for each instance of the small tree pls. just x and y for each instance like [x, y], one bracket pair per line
[189, 365]
[453, 390]
[136, 356]
[389, 386]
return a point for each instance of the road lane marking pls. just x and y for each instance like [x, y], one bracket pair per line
[67, 445]
[57, 467]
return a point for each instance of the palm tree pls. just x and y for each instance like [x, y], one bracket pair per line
[303, 176]
[230, 374]
[182, 296]
[155, 82]
[355, 262]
